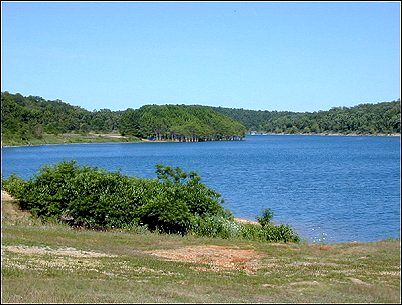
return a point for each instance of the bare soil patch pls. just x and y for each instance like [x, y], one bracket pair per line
[59, 252]
[216, 257]
[108, 135]
[245, 221]
[6, 196]
[10, 211]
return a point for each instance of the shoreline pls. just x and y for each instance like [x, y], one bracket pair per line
[245, 221]
[256, 134]
[329, 134]
[6, 197]
[117, 262]
[77, 143]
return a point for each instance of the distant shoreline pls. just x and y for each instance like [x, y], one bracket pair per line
[328, 134]
[255, 134]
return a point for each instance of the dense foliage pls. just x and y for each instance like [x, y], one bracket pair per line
[94, 198]
[180, 123]
[266, 217]
[25, 118]
[175, 202]
[377, 118]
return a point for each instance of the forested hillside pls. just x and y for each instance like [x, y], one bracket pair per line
[24, 119]
[377, 118]
[180, 123]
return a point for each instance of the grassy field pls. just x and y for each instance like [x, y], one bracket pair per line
[52, 263]
[68, 138]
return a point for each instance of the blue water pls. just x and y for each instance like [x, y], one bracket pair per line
[329, 189]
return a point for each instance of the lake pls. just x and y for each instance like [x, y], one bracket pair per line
[330, 189]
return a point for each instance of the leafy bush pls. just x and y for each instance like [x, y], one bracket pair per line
[167, 213]
[266, 217]
[175, 202]
[14, 185]
[216, 226]
[200, 199]
[92, 197]
[280, 233]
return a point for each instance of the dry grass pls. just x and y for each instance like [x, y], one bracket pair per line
[12, 214]
[52, 263]
[57, 252]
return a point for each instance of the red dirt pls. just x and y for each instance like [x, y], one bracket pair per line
[216, 257]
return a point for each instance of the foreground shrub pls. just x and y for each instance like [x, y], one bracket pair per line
[91, 197]
[175, 202]
[14, 185]
[280, 233]
[265, 218]
[216, 226]
[229, 229]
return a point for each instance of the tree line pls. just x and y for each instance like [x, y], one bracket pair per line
[25, 118]
[182, 123]
[380, 118]
[30, 117]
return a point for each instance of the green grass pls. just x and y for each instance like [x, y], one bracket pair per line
[69, 138]
[286, 273]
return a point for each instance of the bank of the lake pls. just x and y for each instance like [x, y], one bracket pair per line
[72, 138]
[53, 263]
[49, 139]
[327, 134]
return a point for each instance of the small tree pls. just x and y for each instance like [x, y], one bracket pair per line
[265, 218]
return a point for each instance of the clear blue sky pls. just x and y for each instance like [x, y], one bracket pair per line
[269, 56]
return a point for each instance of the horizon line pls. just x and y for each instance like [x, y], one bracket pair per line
[181, 104]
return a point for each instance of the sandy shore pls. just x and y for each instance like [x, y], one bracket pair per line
[245, 221]
[6, 196]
